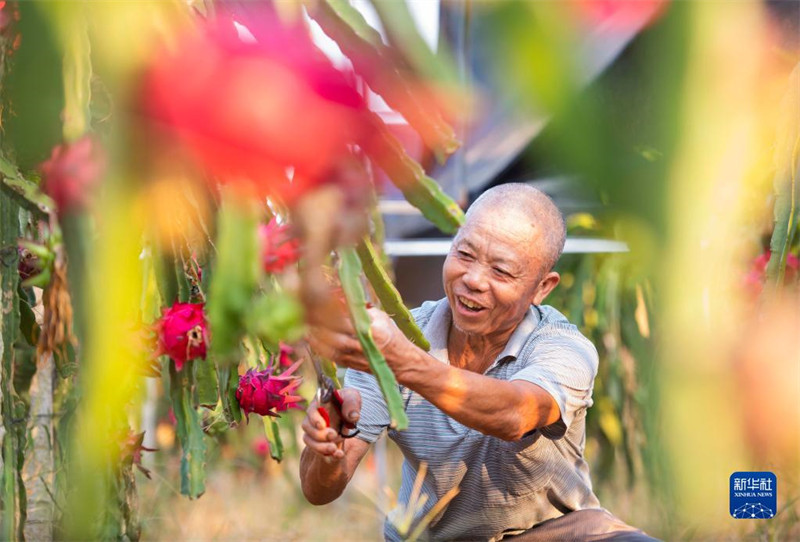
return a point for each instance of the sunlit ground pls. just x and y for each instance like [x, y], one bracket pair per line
[255, 498]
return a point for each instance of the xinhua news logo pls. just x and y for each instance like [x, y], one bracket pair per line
[754, 495]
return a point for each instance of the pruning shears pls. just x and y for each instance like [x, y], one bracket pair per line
[329, 395]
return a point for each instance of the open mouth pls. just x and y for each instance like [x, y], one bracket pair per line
[468, 305]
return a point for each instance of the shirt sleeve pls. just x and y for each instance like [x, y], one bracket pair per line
[374, 416]
[565, 367]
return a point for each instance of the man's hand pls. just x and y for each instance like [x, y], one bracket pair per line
[341, 345]
[325, 440]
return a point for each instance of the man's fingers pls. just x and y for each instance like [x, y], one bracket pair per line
[328, 449]
[318, 431]
[337, 347]
[351, 404]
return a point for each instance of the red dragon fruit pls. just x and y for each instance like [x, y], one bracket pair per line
[248, 110]
[278, 248]
[183, 333]
[71, 173]
[284, 355]
[757, 275]
[267, 394]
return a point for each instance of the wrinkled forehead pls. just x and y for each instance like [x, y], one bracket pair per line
[506, 233]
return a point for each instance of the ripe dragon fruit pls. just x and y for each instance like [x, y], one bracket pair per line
[182, 333]
[267, 394]
[278, 248]
[249, 109]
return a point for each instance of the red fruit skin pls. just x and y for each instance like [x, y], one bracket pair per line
[284, 355]
[183, 333]
[72, 172]
[278, 248]
[620, 14]
[248, 111]
[757, 275]
[260, 447]
[267, 394]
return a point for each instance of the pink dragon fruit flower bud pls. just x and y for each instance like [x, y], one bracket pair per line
[267, 394]
[71, 173]
[278, 248]
[182, 333]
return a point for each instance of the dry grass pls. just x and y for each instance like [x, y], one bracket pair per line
[246, 503]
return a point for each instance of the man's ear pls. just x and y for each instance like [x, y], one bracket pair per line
[546, 285]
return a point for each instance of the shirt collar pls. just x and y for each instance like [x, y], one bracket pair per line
[438, 327]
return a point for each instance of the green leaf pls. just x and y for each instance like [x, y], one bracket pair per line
[273, 434]
[350, 276]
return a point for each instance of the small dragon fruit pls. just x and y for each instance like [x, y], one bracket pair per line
[278, 248]
[266, 394]
[284, 355]
[183, 333]
[70, 174]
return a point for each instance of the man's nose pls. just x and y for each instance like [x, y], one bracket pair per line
[475, 278]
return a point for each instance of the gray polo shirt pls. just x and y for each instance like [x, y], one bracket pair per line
[505, 487]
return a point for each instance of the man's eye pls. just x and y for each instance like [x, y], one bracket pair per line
[465, 254]
[502, 272]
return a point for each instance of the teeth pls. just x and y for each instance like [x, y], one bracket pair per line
[468, 303]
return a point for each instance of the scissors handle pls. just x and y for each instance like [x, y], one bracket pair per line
[336, 401]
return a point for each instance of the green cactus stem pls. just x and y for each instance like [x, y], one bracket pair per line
[190, 432]
[388, 295]
[370, 57]
[350, 276]
[9, 325]
[420, 190]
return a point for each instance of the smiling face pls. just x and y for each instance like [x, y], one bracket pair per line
[496, 268]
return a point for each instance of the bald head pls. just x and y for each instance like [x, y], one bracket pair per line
[536, 208]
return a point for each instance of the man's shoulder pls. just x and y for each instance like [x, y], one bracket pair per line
[554, 325]
[424, 312]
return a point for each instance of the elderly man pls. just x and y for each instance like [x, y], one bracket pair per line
[497, 407]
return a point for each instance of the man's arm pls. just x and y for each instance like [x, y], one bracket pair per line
[502, 409]
[499, 408]
[328, 462]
